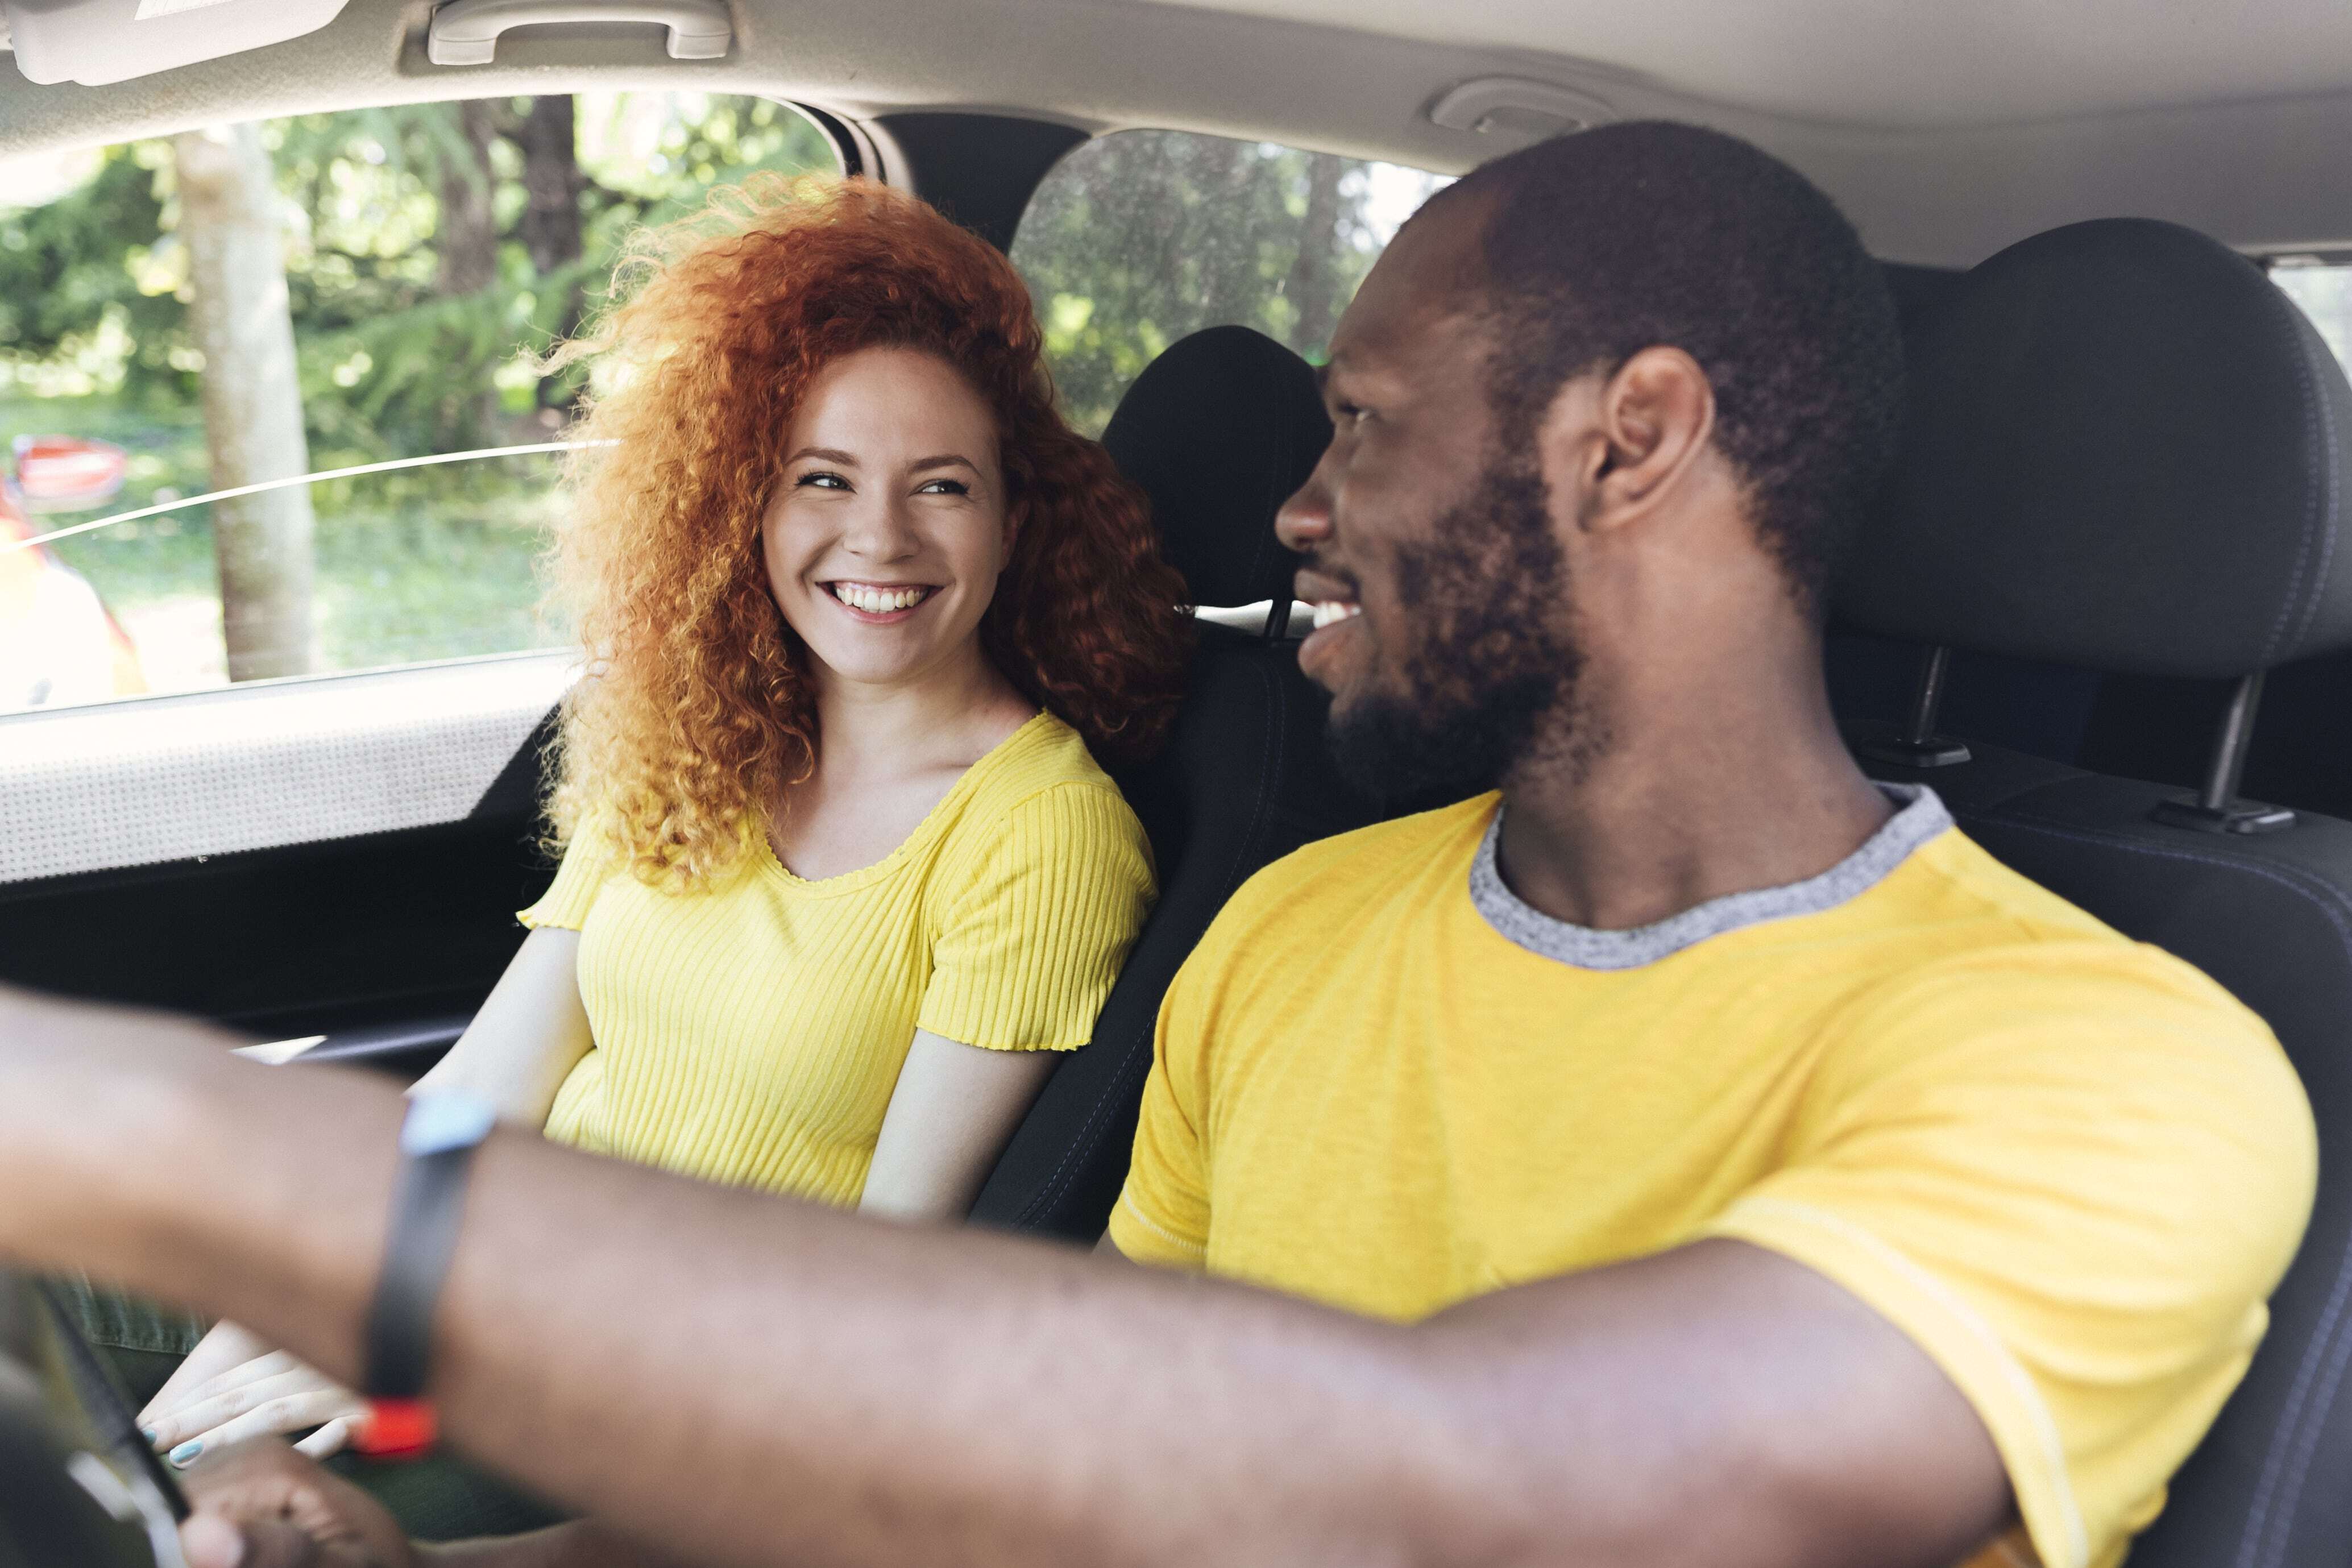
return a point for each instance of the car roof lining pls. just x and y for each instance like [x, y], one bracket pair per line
[1862, 62]
[2264, 174]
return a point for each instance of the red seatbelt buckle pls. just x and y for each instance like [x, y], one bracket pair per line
[398, 1429]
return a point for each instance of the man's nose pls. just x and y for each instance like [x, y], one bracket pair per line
[1304, 520]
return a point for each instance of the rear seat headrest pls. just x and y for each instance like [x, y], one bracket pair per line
[2124, 450]
[1219, 430]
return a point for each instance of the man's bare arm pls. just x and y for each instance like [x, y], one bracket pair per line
[749, 1381]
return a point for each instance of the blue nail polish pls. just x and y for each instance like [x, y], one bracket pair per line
[185, 1454]
[148, 1432]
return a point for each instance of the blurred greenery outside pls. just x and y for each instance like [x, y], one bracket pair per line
[1137, 238]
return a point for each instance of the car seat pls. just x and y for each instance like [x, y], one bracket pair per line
[1219, 430]
[2126, 452]
[2026, 705]
[2158, 727]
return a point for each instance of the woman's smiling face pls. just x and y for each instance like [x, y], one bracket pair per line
[889, 525]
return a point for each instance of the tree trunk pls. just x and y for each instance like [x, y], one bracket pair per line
[1312, 286]
[467, 240]
[552, 182]
[253, 401]
[1228, 233]
[465, 246]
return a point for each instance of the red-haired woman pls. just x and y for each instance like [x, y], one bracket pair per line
[841, 873]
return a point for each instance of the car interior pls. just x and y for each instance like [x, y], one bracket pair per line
[2104, 609]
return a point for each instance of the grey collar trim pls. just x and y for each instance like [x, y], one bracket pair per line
[1921, 818]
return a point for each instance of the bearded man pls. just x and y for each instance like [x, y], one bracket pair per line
[1678, 1000]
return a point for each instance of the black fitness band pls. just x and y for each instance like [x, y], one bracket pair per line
[437, 1139]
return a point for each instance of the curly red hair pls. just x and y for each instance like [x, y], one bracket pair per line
[697, 710]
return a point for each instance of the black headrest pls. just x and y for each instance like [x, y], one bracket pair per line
[1219, 430]
[2126, 451]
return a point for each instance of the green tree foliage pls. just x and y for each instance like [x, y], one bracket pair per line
[76, 271]
[1136, 239]
[415, 369]
[393, 361]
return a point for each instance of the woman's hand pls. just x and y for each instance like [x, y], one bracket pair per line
[233, 1387]
[222, 1347]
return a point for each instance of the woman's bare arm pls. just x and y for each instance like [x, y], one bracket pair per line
[953, 1111]
[530, 1032]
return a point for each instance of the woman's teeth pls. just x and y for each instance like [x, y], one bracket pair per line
[1331, 613]
[877, 600]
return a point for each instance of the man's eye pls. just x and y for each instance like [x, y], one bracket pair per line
[823, 481]
[1349, 413]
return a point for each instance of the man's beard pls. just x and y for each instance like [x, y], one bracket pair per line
[1486, 665]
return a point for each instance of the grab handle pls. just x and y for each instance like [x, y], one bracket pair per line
[466, 32]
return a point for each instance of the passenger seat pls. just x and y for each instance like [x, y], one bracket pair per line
[1219, 430]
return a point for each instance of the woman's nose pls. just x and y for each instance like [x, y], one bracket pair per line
[879, 531]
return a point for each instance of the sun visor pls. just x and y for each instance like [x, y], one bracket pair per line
[95, 42]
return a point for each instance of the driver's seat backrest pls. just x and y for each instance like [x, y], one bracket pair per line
[1218, 431]
[2128, 453]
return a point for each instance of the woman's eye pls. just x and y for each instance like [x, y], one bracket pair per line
[945, 488]
[825, 481]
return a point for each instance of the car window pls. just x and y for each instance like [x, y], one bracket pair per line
[2323, 287]
[355, 295]
[1140, 237]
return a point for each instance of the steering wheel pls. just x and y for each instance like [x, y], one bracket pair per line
[70, 1494]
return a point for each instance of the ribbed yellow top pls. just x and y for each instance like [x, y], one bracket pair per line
[751, 1033]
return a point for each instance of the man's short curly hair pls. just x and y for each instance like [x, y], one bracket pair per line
[697, 707]
[1598, 244]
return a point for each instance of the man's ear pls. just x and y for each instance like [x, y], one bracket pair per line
[1628, 439]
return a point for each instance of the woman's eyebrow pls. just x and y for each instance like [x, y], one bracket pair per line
[944, 460]
[828, 454]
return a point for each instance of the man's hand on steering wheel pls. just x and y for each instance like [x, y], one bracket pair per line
[262, 1505]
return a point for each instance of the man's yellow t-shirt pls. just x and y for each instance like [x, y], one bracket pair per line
[2071, 1167]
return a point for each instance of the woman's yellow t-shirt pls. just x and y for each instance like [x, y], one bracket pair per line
[751, 1033]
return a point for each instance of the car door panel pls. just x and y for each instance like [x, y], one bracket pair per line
[352, 920]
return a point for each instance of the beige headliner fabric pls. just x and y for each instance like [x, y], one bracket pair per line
[2261, 172]
[1869, 62]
